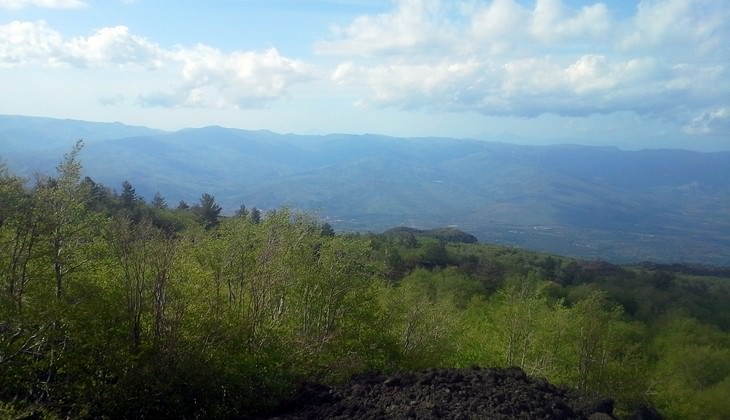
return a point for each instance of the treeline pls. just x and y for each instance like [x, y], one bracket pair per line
[114, 307]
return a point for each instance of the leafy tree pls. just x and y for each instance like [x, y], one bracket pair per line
[692, 376]
[22, 333]
[18, 237]
[51, 273]
[327, 230]
[145, 256]
[66, 220]
[144, 312]
[520, 308]
[395, 264]
[435, 254]
[605, 347]
[423, 324]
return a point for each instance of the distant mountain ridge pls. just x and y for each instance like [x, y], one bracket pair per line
[38, 133]
[595, 202]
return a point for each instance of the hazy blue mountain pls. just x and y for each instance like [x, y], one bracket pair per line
[596, 202]
[36, 143]
[38, 134]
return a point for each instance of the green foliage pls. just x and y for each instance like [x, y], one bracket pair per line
[208, 211]
[607, 353]
[421, 323]
[408, 236]
[158, 201]
[255, 215]
[135, 310]
[19, 411]
[692, 369]
[242, 211]
[129, 198]
[588, 346]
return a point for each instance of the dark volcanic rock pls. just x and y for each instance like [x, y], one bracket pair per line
[445, 394]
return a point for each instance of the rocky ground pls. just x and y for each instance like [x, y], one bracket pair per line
[446, 394]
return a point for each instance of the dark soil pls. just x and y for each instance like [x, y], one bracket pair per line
[445, 394]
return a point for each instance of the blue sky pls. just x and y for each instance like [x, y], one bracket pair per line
[635, 74]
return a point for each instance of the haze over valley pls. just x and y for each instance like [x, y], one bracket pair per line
[592, 202]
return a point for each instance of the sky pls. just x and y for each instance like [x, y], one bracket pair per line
[631, 74]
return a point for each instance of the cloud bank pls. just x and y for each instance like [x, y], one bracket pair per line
[211, 78]
[668, 60]
[207, 77]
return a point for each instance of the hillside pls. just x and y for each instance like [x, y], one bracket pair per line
[661, 205]
[115, 308]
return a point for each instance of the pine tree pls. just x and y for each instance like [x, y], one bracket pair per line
[208, 211]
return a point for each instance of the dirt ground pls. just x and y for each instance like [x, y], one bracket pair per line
[472, 393]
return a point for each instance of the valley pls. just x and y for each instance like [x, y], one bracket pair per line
[589, 202]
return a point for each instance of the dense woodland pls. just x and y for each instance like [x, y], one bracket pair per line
[114, 307]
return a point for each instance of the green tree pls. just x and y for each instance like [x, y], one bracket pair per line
[519, 310]
[208, 211]
[158, 201]
[18, 236]
[422, 324]
[67, 222]
[605, 345]
[20, 334]
[53, 275]
[692, 374]
[100, 198]
[129, 196]
[327, 230]
[242, 211]
[255, 215]
[435, 254]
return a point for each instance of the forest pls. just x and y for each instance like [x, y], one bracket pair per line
[114, 307]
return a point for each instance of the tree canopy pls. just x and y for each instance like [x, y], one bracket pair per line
[113, 307]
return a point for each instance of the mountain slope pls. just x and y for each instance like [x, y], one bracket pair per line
[21, 133]
[664, 205]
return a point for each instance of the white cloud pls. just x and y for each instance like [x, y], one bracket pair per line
[712, 122]
[211, 78]
[523, 86]
[504, 57]
[591, 73]
[414, 26]
[682, 28]
[208, 77]
[414, 85]
[49, 4]
[24, 43]
[498, 25]
[28, 43]
[114, 46]
[551, 21]
[508, 27]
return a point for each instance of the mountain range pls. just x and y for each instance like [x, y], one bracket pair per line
[591, 202]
